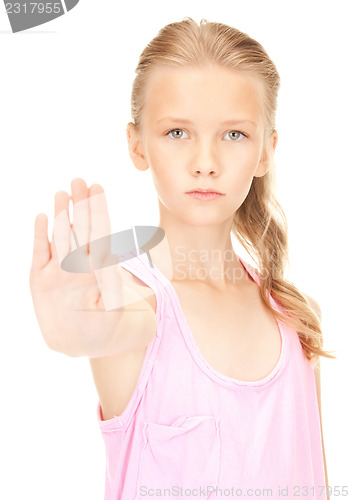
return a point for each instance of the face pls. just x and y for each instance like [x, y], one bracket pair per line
[202, 128]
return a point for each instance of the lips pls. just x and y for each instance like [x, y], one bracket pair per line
[205, 196]
[213, 191]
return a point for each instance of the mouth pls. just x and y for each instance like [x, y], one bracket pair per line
[205, 195]
[212, 191]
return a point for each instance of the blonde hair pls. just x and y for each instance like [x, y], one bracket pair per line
[259, 224]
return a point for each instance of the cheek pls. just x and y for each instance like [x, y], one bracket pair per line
[239, 177]
[165, 175]
[164, 166]
[241, 170]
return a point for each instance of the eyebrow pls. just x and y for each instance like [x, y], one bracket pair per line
[226, 122]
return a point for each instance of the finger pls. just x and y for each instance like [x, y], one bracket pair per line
[60, 245]
[99, 218]
[100, 227]
[81, 223]
[41, 248]
[104, 264]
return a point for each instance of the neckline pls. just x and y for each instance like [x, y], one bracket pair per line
[194, 349]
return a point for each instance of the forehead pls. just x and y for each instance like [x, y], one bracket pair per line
[194, 92]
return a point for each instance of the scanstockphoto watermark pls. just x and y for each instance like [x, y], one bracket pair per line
[320, 491]
[201, 264]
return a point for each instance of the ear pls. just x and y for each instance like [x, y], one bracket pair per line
[135, 147]
[267, 155]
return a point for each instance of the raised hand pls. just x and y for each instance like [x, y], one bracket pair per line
[78, 313]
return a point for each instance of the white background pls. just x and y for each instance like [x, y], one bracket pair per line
[65, 102]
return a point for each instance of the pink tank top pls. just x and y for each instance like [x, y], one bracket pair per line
[192, 432]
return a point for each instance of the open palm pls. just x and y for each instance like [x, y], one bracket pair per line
[72, 313]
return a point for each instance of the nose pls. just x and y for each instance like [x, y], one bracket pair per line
[205, 160]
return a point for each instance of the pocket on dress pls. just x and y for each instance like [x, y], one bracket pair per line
[183, 455]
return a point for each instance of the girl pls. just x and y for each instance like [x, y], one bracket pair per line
[210, 387]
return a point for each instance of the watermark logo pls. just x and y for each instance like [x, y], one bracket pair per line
[123, 246]
[24, 15]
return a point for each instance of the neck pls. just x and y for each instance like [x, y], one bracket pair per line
[199, 254]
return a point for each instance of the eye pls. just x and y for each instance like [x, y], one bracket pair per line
[175, 130]
[234, 138]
